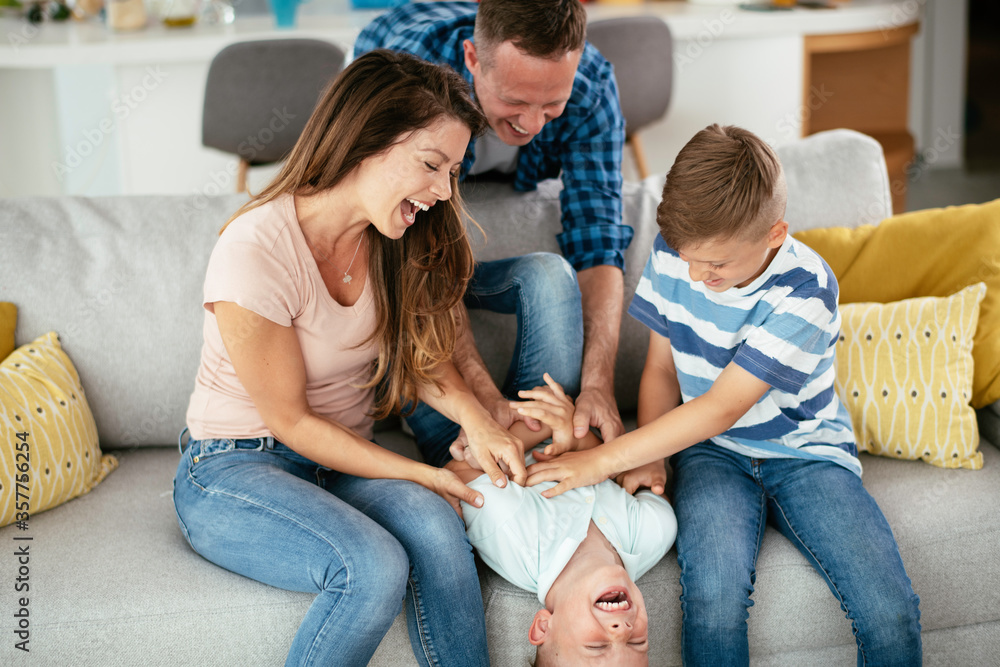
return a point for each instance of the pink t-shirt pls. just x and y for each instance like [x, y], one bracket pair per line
[262, 263]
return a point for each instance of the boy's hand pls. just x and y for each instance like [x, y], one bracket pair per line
[572, 470]
[652, 476]
[551, 406]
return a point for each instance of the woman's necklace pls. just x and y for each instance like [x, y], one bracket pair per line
[347, 277]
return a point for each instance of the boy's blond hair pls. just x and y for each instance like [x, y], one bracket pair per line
[726, 183]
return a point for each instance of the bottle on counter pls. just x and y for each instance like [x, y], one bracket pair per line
[180, 13]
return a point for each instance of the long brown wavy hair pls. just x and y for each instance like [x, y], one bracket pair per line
[419, 279]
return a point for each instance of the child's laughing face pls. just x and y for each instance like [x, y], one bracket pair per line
[724, 263]
[602, 620]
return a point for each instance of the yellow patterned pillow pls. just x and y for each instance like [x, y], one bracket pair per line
[935, 252]
[8, 322]
[904, 371]
[49, 451]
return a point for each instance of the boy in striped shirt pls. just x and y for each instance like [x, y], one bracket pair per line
[738, 389]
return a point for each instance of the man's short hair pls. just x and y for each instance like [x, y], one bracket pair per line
[539, 28]
[726, 183]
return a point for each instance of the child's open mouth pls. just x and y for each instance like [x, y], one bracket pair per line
[614, 601]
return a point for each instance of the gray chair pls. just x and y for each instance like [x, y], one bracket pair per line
[259, 95]
[641, 50]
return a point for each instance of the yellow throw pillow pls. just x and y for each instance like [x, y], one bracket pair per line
[904, 371]
[49, 451]
[8, 322]
[935, 252]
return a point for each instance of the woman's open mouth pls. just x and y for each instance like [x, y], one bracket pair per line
[409, 208]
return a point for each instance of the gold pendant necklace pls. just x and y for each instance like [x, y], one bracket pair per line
[347, 277]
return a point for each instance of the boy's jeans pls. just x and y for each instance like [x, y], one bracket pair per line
[541, 290]
[259, 509]
[722, 501]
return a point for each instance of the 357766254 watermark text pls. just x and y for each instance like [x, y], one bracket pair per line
[22, 541]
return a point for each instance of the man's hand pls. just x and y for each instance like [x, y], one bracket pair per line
[598, 409]
[572, 470]
[652, 476]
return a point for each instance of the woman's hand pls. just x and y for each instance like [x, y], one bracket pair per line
[492, 446]
[447, 484]
[504, 414]
[572, 470]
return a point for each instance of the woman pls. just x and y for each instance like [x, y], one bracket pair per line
[330, 301]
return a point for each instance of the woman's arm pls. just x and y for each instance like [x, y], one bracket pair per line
[491, 444]
[268, 361]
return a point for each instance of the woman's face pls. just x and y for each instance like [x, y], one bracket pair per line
[413, 175]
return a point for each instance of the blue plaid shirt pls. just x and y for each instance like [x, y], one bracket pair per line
[584, 144]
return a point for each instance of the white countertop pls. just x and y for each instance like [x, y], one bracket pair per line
[90, 42]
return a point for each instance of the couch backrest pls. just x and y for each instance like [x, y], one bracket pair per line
[120, 279]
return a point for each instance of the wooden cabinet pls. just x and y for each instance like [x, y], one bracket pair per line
[862, 81]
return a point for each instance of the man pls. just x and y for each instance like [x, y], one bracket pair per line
[552, 104]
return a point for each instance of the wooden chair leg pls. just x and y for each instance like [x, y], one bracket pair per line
[640, 156]
[241, 176]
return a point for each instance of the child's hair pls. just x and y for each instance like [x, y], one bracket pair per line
[726, 183]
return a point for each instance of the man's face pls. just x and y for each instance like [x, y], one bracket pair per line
[520, 93]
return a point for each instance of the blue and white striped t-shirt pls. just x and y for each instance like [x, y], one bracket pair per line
[782, 328]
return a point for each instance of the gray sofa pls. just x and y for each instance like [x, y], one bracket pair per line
[114, 582]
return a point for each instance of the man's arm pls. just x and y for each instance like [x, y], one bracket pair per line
[602, 291]
[488, 441]
[594, 237]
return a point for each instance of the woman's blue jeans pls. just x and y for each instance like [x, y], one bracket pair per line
[722, 501]
[540, 289]
[259, 509]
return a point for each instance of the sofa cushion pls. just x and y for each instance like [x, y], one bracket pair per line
[904, 372]
[121, 284]
[8, 322]
[908, 256]
[123, 579]
[49, 451]
[837, 177]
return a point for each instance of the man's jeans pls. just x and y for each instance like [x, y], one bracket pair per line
[259, 509]
[540, 289]
[722, 501]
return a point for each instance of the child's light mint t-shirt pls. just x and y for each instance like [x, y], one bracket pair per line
[782, 328]
[528, 539]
